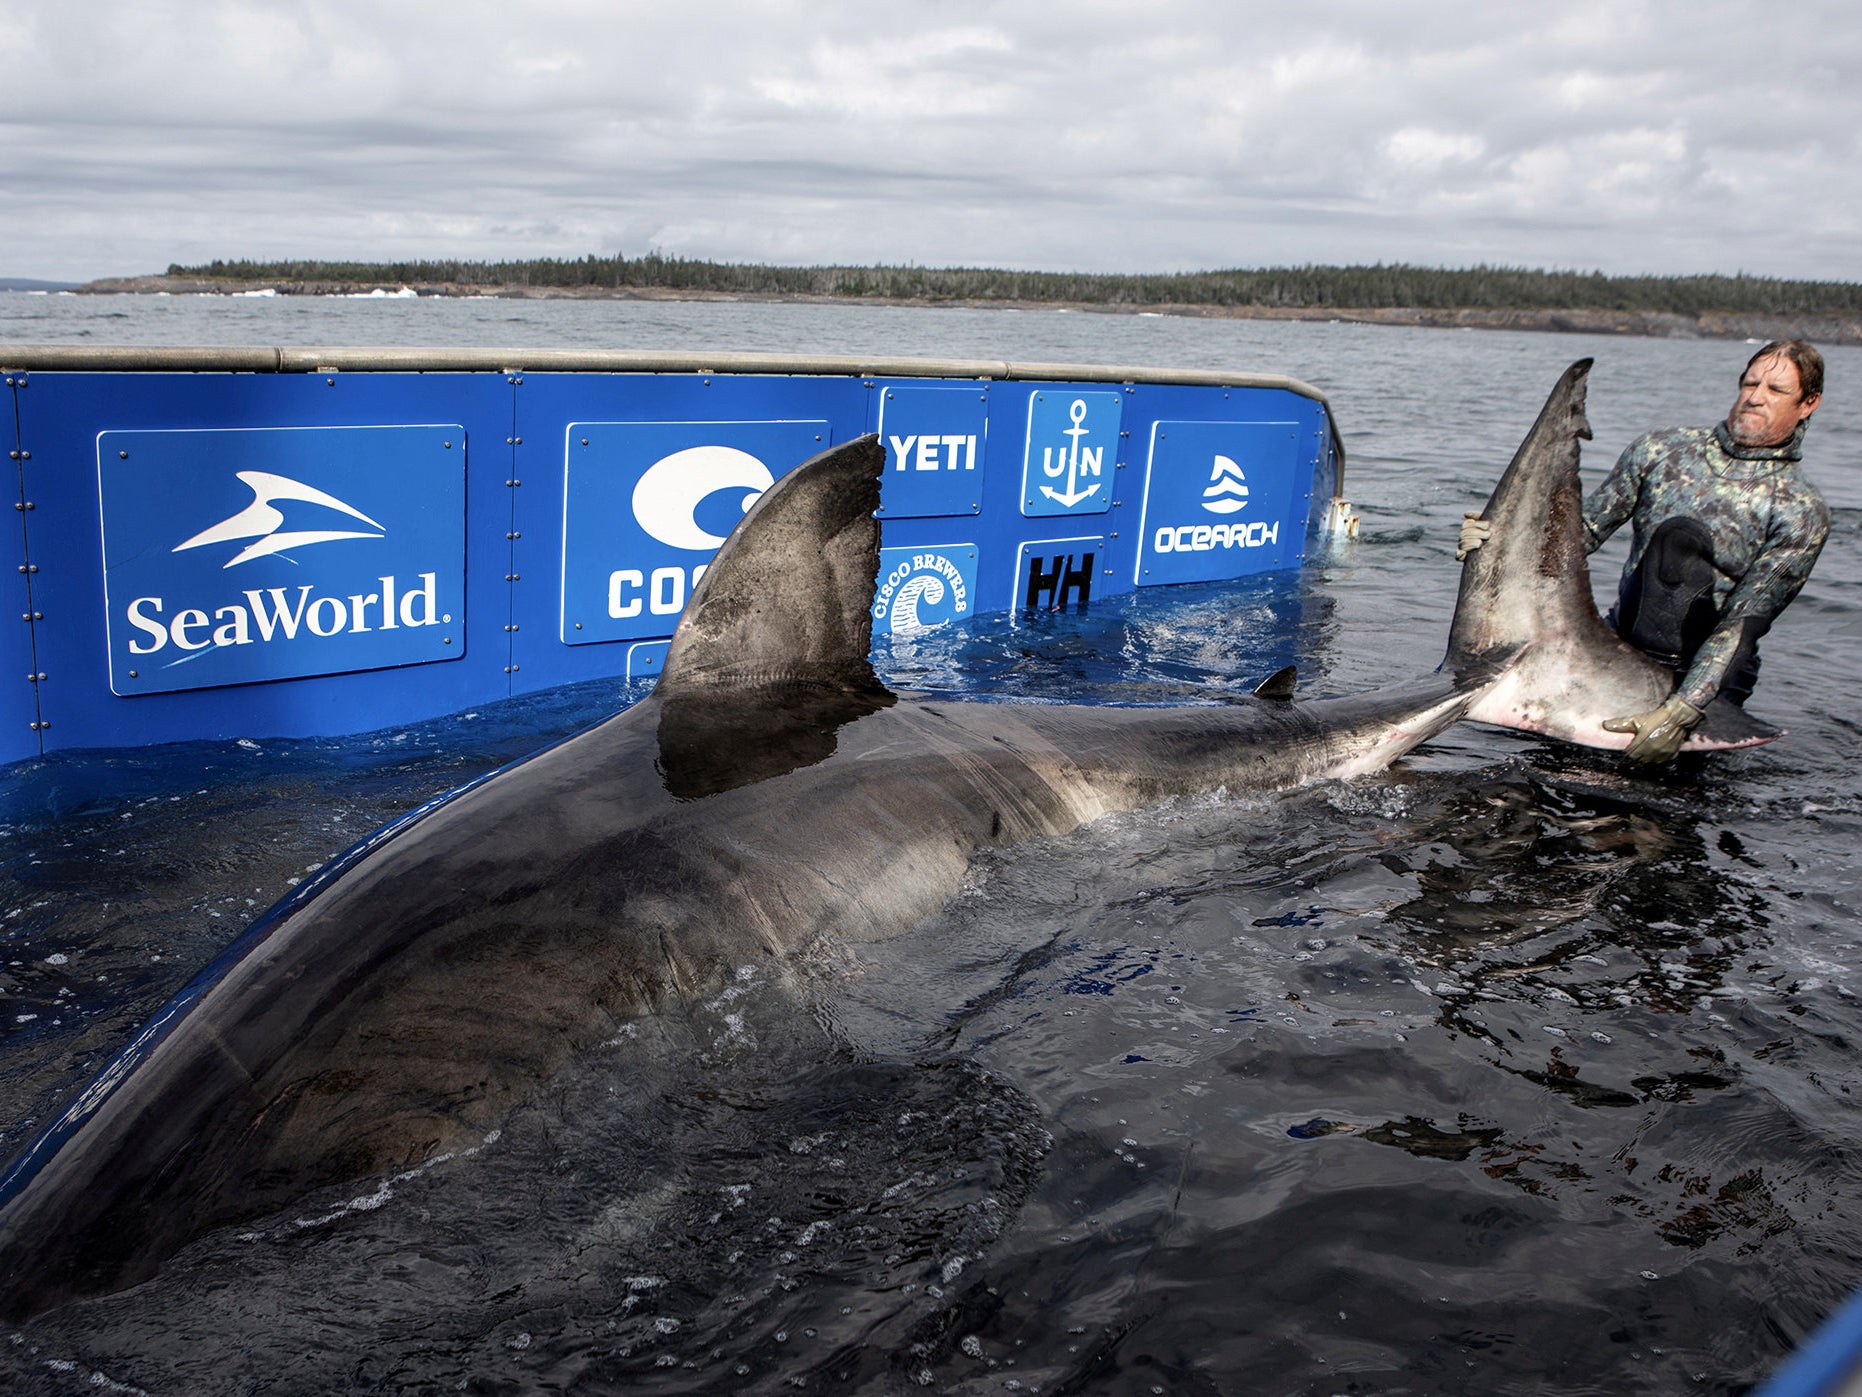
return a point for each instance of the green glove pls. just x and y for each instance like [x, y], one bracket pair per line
[1660, 732]
[1474, 532]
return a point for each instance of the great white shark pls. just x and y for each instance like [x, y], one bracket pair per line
[770, 792]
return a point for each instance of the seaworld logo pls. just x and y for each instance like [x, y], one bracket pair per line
[272, 614]
[920, 588]
[243, 555]
[264, 614]
[261, 520]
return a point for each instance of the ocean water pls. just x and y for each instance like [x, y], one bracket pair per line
[1511, 1070]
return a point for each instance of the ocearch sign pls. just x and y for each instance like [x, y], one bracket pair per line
[245, 555]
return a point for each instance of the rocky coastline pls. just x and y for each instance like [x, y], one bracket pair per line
[1832, 328]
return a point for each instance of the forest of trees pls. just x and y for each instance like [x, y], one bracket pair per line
[1374, 287]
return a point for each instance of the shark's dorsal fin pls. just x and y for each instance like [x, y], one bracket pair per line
[770, 659]
[786, 602]
[1278, 685]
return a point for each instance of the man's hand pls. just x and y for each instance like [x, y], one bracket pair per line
[1660, 732]
[1474, 532]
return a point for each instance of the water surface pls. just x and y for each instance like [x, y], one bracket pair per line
[1513, 1070]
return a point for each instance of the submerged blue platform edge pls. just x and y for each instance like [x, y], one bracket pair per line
[1828, 1363]
[211, 554]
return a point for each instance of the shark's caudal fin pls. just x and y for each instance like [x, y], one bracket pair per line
[1529, 588]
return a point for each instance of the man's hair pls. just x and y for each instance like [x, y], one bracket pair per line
[1803, 354]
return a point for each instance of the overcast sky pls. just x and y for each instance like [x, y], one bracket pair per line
[1168, 135]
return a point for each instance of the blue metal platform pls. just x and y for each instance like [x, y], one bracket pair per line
[220, 543]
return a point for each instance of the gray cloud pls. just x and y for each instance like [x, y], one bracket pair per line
[1183, 134]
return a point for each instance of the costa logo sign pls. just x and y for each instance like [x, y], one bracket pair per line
[646, 504]
[325, 550]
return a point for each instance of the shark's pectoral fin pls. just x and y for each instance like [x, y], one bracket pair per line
[1725, 724]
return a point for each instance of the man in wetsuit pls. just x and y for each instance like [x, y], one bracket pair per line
[1724, 532]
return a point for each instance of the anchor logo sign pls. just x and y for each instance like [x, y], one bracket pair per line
[1065, 469]
[1072, 461]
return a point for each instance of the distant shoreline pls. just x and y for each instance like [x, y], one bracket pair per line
[1824, 328]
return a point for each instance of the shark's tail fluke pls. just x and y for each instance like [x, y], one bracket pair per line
[1527, 591]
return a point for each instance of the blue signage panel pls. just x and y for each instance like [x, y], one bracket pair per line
[1220, 501]
[1055, 574]
[934, 451]
[239, 555]
[646, 504]
[923, 587]
[1071, 452]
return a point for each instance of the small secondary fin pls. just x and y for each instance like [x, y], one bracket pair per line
[787, 601]
[1278, 685]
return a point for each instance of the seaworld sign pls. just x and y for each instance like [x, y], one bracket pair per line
[239, 555]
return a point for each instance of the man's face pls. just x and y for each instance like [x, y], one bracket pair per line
[1770, 404]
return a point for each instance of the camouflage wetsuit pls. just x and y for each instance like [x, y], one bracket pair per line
[1757, 525]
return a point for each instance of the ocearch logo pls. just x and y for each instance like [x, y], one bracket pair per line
[261, 520]
[1228, 488]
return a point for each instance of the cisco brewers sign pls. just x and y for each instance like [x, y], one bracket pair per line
[236, 556]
